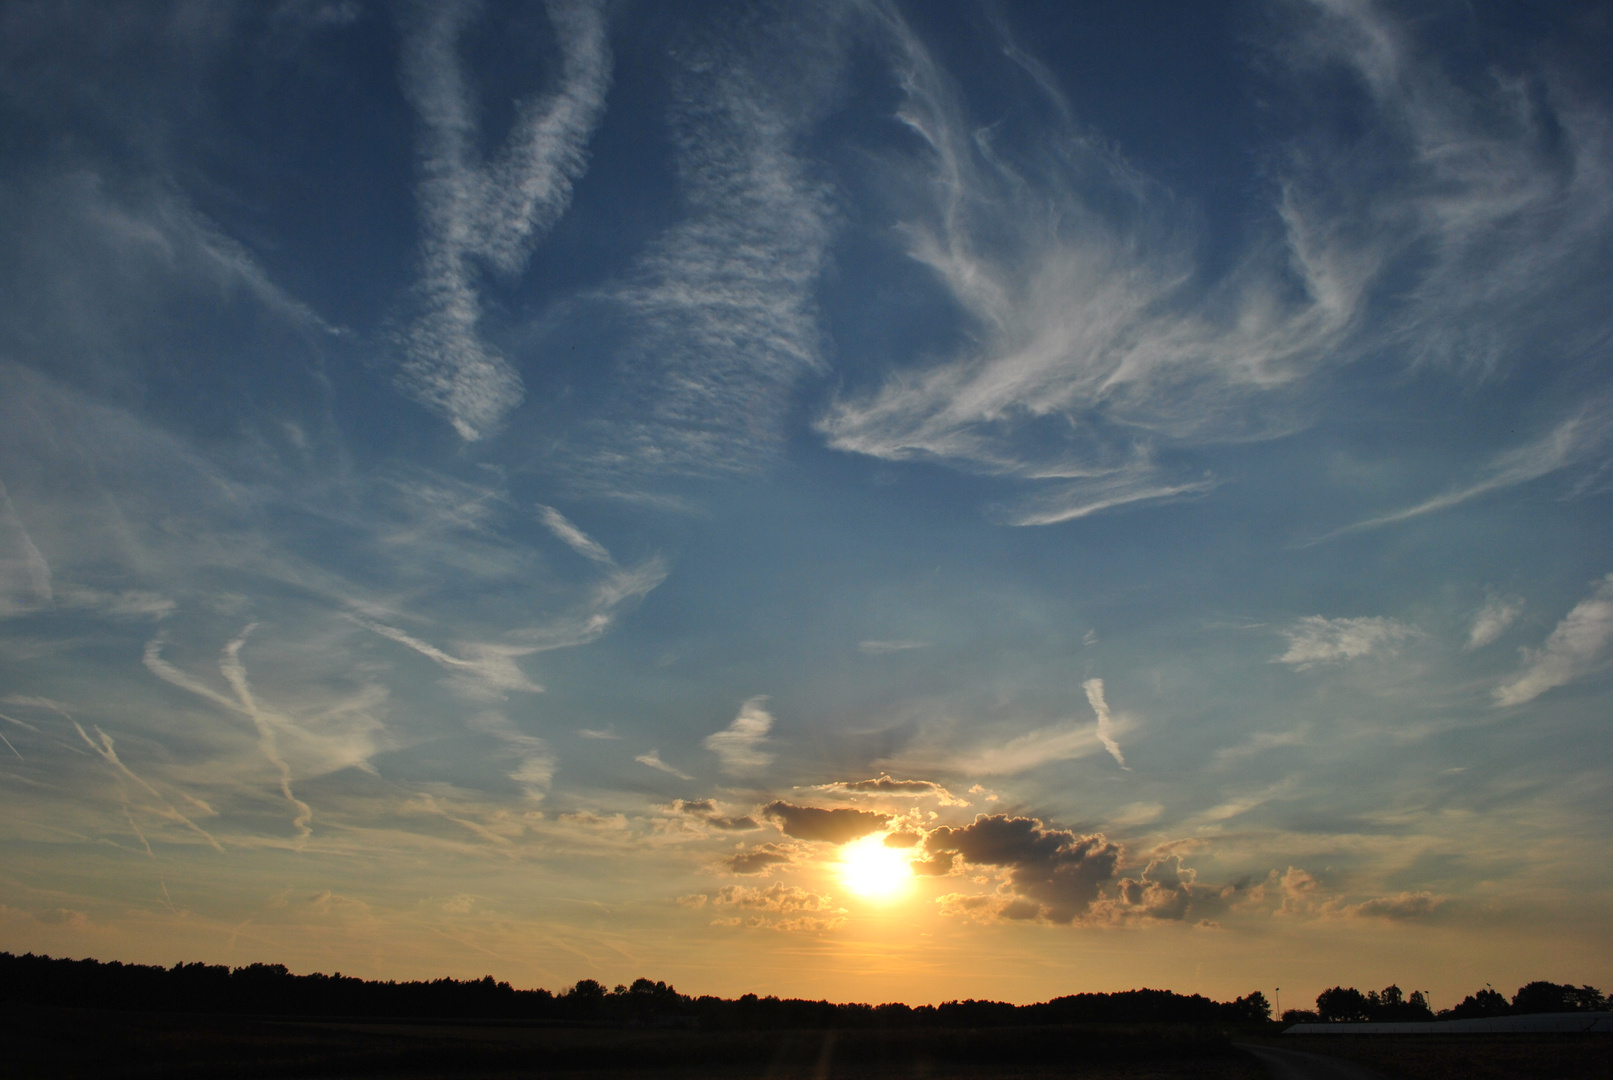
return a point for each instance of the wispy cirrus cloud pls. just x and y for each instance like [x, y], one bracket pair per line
[1570, 442]
[885, 648]
[1492, 189]
[573, 537]
[721, 310]
[1316, 639]
[1009, 756]
[1469, 230]
[1100, 707]
[739, 746]
[340, 736]
[1492, 621]
[485, 671]
[487, 214]
[1576, 646]
[652, 758]
[24, 574]
[106, 750]
[1092, 344]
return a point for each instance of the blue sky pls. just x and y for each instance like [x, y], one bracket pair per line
[479, 478]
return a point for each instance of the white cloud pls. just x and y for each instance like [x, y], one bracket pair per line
[1072, 501]
[1574, 648]
[1092, 345]
[486, 671]
[337, 735]
[1492, 620]
[883, 648]
[1094, 689]
[653, 760]
[1570, 442]
[573, 537]
[24, 574]
[105, 749]
[1498, 190]
[1317, 640]
[721, 310]
[487, 214]
[1097, 344]
[534, 765]
[1259, 743]
[126, 603]
[1022, 753]
[739, 746]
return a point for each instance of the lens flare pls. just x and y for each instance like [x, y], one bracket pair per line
[870, 869]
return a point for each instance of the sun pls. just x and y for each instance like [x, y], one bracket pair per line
[869, 868]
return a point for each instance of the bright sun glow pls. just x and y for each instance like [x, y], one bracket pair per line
[869, 868]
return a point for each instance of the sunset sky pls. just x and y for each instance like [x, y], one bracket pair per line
[877, 501]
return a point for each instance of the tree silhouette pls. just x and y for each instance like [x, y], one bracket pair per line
[1545, 997]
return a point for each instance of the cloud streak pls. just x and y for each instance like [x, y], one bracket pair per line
[722, 310]
[573, 537]
[1569, 443]
[1468, 231]
[1492, 621]
[488, 214]
[1092, 344]
[1575, 647]
[652, 758]
[1316, 639]
[739, 746]
[1100, 707]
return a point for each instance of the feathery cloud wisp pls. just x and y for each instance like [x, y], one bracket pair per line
[1316, 639]
[24, 574]
[722, 310]
[487, 213]
[573, 537]
[1570, 442]
[1574, 648]
[1492, 620]
[652, 758]
[1092, 346]
[1100, 707]
[739, 746]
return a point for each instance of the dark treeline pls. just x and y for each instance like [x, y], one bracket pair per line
[270, 989]
[1346, 1004]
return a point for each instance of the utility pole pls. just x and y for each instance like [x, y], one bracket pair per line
[1279, 1003]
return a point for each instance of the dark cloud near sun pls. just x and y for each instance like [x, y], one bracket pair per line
[838, 826]
[707, 811]
[1167, 890]
[757, 860]
[1055, 871]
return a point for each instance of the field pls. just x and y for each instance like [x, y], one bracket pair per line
[107, 1045]
[1470, 1057]
[68, 1043]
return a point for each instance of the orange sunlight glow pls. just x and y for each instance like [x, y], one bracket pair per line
[870, 869]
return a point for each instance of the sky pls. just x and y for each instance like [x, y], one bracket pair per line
[869, 500]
